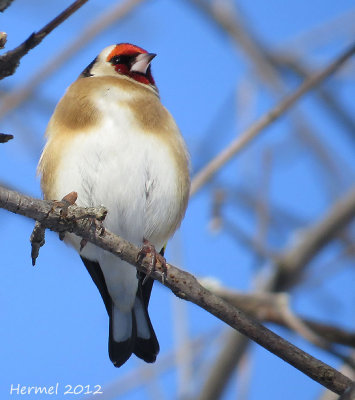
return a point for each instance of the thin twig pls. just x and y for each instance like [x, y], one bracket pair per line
[4, 4]
[182, 283]
[262, 209]
[264, 307]
[234, 347]
[11, 60]
[5, 137]
[246, 240]
[207, 172]
[291, 263]
[107, 18]
[297, 325]
[37, 240]
[257, 54]
[325, 95]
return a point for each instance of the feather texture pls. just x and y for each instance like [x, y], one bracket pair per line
[111, 140]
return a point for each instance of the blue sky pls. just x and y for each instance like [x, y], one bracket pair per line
[53, 324]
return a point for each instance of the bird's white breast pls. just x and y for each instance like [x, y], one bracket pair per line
[140, 175]
[126, 169]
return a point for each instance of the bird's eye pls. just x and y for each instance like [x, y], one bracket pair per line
[119, 60]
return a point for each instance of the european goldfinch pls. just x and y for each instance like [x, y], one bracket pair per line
[112, 141]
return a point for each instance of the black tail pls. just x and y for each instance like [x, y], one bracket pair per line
[146, 346]
[138, 336]
[121, 350]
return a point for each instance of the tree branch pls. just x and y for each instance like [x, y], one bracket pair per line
[182, 283]
[349, 393]
[5, 138]
[11, 60]
[4, 4]
[264, 307]
[267, 119]
[232, 352]
[326, 96]
[291, 263]
[93, 28]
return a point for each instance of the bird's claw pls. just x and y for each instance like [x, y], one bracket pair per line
[146, 249]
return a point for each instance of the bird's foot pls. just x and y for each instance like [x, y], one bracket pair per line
[149, 248]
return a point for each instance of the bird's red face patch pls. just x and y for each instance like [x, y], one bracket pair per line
[122, 58]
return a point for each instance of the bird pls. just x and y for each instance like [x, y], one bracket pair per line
[112, 141]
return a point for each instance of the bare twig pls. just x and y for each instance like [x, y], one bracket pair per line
[5, 138]
[329, 268]
[262, 209]
[261, 63]
[279, 216]
[207, 172]
[4, 4]
[296, 324]
[118, 11]
[325, 94]
[184, 360]
[218, 199]
[182, 283]
[37, 240]
[291, 263]
[225, 17]
[223, 367]
[228, 18]
[11, 60]
[249, 242]
[264, 307]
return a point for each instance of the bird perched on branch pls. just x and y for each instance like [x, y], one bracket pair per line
[112, 141]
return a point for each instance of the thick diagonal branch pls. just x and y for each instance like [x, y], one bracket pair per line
[180, 282]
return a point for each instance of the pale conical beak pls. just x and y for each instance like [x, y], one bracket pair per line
[141, 62]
